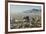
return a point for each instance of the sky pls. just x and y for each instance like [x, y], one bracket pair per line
[21, 8]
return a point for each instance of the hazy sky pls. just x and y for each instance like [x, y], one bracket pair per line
[21, 8]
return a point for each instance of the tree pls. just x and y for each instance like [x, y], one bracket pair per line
[26, 19]
[36, 21]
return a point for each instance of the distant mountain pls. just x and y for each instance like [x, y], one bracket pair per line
[32, 11]
[36, 9]
[28, 11]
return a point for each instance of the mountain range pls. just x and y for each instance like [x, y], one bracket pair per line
[32, 11]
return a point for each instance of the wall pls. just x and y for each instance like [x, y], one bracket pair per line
[2, 18]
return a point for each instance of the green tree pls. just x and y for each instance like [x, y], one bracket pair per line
[36, 21]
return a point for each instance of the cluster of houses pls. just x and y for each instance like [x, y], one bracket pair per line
[13, 21]
[25, 19]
